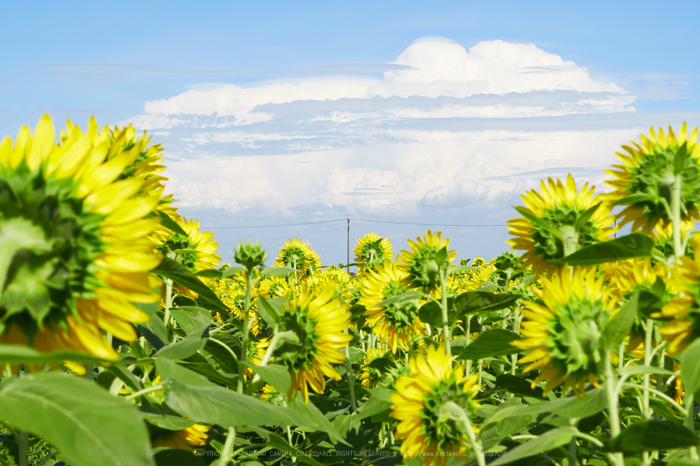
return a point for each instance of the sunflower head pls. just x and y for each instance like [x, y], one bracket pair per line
[185, 439]
[196, 251]
[684, 307]
[371, 376]
[75, 250]
[649, 171]
[298, 255]
[558, 221]
[431, 406]
[563, 332]
[318, 321]
[428, 255]
[396, 324]
[373, 249]
[662, 234]
[250, 255]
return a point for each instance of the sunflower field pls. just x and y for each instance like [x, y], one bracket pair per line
[124, 340]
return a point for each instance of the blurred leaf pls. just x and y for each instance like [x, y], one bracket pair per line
[460, 268]
[430, 313]
[171, 224]
[571, 407]
[653, 435]
[494, 342]
[270, 309]
[155, 332]
[690, 368]
[186, 347]
[537, 221]
[81, 419]
[680, 158]
[167, 421]
[402, 298]
[171, 269]
[634, 198]
[620, 325]
[482, 301]
[310, 416]
[585, 216]
[634, 370]
[548, 441]
[649, 303]
[622, 248]
[275, 375]
[19, 354]
[175, 457]
[191, 318]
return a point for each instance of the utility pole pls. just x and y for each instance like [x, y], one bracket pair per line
[348, 262]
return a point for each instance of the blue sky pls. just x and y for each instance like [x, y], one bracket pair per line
[279, 113]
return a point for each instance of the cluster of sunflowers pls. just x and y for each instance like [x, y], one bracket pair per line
[583, 349]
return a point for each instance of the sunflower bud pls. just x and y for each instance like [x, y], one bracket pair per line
[250, 255]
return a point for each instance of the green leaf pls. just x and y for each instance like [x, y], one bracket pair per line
[635, 198]
[494, 342]
[585, 216]
[620, 326]
[186, 347]
[482, 301]
[169, 268]
[167, 421]
[270, 309]
[310, 416]
[690, 368]
[402, 298]
[535, 220]
[571, 407]
[276, 271]
[274, 374]
[277, 442]
[20, 354]
[685, 462]
[634, 370]
[653, 435]
[155, 332]
[680, 158]
[441, 256]
[622, 248]
[171, 224]
[460, 268]
[548, 441]
[81, 419]
[193, 396]
[191, 318]
[430, 313]
[231, 271]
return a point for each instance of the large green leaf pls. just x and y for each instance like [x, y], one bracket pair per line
[191, 318]
[620, 325]
[81, 419]
[274, 374]
[186, 347]
[270, 309]
[173, 457]
[193, 396]
[622, 248]
[309, 415]
[653, 435]
[167, 421]
[494, 342]
[402, 298]
[548, 441]
[169, 268]
[18, 354]
[482, 301]
[690, 368]
[276, 271]
[277, 442]
[518, 386]
[570, 407]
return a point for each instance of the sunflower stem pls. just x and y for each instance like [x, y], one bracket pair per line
[612, 401]
[475, 442]
[443, 306]
[22, 438]
[649, 330]
[351, 377]
[244, 344]
[690, 422]
[168, 303]
[154, 388]
[227, 452]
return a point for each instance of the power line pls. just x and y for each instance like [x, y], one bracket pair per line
[274, 226]
[287, 236]
[422, 224]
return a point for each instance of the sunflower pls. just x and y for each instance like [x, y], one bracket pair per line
[256, 351]
[662, 234]
[370, 376]
[396, 324]
[684, 308]
[318, 320]
[75, 250]
[373, 249]
[423, 261]
[298, 255]
[648, 173]
[273, 287]
[559, 226]
[330, 277]
[563, 333]
[185, 439]
[425, 404]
